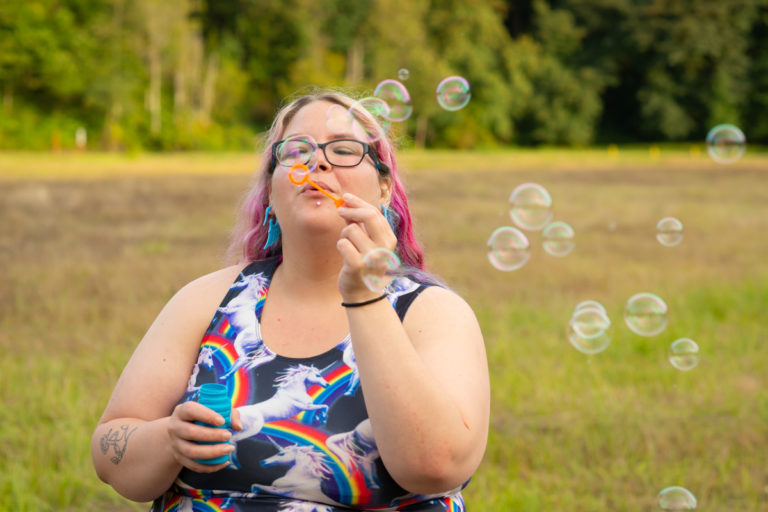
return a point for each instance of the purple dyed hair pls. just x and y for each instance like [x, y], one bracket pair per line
[249, 234]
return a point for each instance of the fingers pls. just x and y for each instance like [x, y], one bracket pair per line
[194, 411]
[188, 454]
[366, 226]
[234, 419]
[185, 437]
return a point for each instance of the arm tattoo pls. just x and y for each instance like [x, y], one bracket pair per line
[117, 439]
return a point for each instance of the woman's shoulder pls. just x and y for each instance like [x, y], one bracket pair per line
[438, 301]
[216, 284]
[222, 277]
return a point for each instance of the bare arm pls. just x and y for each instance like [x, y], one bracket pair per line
[143, 439]
[426, 388]
[425, 380]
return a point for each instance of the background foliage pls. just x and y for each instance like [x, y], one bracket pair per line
[206, 74]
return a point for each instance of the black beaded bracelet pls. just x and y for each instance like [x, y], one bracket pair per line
[364, 303]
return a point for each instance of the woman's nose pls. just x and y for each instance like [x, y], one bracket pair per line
[322, 162]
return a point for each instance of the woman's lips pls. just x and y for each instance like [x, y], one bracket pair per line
[310, 188]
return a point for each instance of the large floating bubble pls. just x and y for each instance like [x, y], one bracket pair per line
[646, 314]
[684, 354]
[396, 96]
[726, 143]
[453, 93]
[380, 267]
[558, 239]
[676, 498]
[669, 231]
[530, 206]
[338, 119]
[363, 130]
[508, 248]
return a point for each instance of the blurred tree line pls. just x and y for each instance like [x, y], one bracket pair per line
[209, 74]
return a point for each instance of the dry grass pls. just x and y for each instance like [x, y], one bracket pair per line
[91, 247]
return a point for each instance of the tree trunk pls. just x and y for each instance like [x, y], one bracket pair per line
[7, 97]
[355, 55]
[420, 137]
[179, 90]
[154, 99]
[209, 86]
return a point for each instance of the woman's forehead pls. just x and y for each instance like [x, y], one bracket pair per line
[310, 116]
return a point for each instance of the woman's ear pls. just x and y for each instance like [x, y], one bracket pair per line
[386, 191]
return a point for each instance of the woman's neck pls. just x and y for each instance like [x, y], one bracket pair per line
[311, 265]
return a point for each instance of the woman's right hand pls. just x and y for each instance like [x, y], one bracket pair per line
[184, 436]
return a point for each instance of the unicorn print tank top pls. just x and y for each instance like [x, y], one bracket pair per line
[307, 443]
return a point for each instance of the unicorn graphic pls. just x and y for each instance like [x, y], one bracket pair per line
[303, 506]
[348, 357]
[205, 358]
[400, 286]
[290, 399]
[308, 468]
[241, 313]
[187, 505]
[357, 450]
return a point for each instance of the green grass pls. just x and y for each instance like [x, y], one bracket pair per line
[92, 246]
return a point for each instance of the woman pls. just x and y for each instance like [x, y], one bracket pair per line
[342, 398]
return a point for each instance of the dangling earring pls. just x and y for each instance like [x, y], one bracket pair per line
[389, 214]
[273, 233]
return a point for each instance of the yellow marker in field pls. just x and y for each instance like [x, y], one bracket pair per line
[695, 151]
[654, 152]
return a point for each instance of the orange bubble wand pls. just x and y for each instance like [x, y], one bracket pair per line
[336, 200]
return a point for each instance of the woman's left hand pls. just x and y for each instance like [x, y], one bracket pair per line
[366, 229]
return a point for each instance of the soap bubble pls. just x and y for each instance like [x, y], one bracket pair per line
[726, 143]
[379, 109]
[646, 314]
[298, 149]
[590, 304]
[338, 119]
[396, 96]
[380, 267]
[531, 206]
[508, 248]
[676, 498]
[589, 329]
[403, 74]
[669, 231]
[453, 93]
[558, 239]
[684, 354]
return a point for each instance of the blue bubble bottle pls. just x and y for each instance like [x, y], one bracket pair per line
[215, 396]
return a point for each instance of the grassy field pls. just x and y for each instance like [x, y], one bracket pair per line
[91, 247]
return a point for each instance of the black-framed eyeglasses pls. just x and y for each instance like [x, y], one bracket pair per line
[300, 149]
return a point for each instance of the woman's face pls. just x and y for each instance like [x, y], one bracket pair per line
[302, 205]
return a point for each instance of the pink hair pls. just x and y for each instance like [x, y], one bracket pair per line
[250, 233]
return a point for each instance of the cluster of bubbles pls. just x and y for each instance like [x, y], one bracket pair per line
[589, 330]
[391, 103]
[530, 208]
